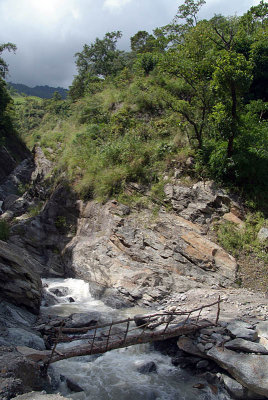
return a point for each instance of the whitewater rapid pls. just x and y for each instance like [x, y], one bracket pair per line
[114, 375]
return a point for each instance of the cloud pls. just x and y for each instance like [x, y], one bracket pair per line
[115, 5]
[49, 32]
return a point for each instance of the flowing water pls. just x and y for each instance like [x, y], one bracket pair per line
[114, 375]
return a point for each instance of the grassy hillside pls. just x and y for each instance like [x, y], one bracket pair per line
[190, 88]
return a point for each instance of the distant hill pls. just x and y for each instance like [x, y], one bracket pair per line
[45, 92]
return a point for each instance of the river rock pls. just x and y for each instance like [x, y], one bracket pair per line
[112, 298]
[186, 344]
[79, 320]
[242, 330]
[146, 367]
[248, 369]
[246, 346]
[60, 291]
[262, 331]
[73, 386]
[32, 354]
[18, 374]
[234, 387]
[49, 299]
[19, 281]
[16, 327]
[22, 337]
[40, 396]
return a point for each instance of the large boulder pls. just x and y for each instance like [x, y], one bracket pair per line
[18, 374]
[250, 370]
[19, 281]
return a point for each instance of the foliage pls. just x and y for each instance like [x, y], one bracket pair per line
[3, 65]
[191, 87]
[142, 42]
[245, 239]
[44, 92]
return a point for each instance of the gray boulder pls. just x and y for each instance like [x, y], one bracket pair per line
[248, 369]
[79, 320]
[242, 330]
[233, 387]
[23, 337]
[262, 331]
[40, 396]
[246, 346]
[146, 367]
[18, 374]
[60, 291]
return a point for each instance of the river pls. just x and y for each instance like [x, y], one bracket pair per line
[114, 375]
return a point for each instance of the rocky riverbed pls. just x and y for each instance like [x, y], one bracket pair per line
[129, 257]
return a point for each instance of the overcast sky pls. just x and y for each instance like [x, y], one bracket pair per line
[49, 32]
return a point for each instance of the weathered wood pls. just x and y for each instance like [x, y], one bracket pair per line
[149, 316]
[125, 341]
[218, 311]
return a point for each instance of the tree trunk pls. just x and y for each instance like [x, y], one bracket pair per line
[234, 121]
[125, 341]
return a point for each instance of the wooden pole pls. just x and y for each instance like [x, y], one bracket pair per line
[147, 337]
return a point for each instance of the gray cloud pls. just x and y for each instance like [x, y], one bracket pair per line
[48, 33]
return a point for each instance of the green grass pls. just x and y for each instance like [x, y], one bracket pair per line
[245, 239]
[19, 100]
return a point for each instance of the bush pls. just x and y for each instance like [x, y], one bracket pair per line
[234, 240]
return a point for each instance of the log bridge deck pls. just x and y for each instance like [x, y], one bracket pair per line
[108, 337]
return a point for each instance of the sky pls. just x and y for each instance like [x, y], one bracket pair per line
[48, 33]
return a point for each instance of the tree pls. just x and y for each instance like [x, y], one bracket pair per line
[3, 65]
[175, 32]
[231, 79]
[4, 96]
[142, 42]
[188, 11]
[101, 58]
[191, 64]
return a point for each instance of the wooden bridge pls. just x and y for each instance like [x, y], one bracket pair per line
[140, 329]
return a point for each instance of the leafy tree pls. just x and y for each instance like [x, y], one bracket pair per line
[175, 32]
[231, 79]
[56, 96]
[147, 62]
[3, 64]
[4, 96]
[191, 63]
[101, 58]
[142, 42]
[188, 11]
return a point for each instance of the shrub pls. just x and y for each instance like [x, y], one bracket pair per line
[234, 240]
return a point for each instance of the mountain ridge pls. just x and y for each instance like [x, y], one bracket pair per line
[43, 91]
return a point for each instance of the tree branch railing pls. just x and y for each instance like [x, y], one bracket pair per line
[167, 323]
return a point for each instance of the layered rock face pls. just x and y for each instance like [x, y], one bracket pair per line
[19, 281]
[143, 257]
[140, 256]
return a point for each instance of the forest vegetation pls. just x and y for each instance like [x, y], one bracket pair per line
[45, 92]
[194, 88]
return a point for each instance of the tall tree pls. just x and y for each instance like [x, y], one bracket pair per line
[3, 65]
[101, 58]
